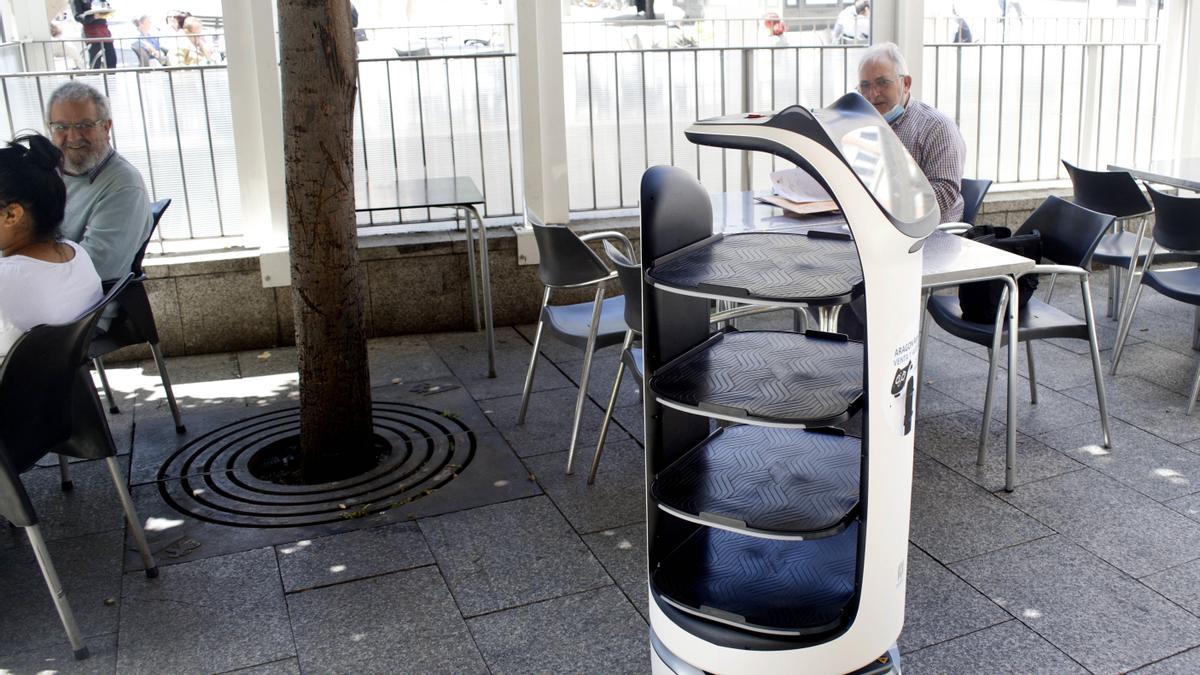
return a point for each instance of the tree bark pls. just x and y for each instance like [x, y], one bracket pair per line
[319, 70]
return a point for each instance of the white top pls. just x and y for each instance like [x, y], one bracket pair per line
[852, 27]
[35, 292]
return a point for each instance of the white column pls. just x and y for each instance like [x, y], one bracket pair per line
[902, 22]
[257, 112]
[1181, 54]
[33, 23]
[543, 120]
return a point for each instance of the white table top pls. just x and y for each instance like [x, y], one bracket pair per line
[948, 259]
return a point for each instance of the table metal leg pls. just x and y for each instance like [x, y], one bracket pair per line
[465, 211]
[1013, 345]
[486, 270]
[1196, 329]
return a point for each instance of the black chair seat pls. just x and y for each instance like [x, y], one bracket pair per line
[572, 323]
[1182, 285]
[1116, 249]
[1037, 321]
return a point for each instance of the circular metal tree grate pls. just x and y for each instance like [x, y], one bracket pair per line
[209, 478]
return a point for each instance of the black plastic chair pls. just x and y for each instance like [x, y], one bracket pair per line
[1070, 234]
[1176, 231]
[134, 324]
[629, 273]
[567, 262]
[50, 406]
[973, 192]
[1117, 194]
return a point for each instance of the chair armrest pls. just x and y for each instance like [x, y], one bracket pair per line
[953, 228]
[1057, 269]
[612, 234]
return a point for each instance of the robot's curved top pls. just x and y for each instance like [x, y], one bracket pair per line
[851, 130]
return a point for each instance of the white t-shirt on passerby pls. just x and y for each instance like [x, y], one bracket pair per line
[35, 292]
[851, 27]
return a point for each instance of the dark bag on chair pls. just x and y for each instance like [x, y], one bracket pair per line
[980, 300]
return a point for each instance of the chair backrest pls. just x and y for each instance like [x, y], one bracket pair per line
[37, 379]
[630, 275]
[1111, 192]
[565, 260]
[676, 211]
[1070, 232]
[1176, 221]
[973, 192]
[156, 213]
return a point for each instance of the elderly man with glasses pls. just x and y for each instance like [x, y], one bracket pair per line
[931, 137]
[108, 211]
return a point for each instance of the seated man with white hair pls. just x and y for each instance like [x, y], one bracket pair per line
[108, 210]
[929, 135]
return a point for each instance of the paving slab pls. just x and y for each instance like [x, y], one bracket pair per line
[102, 650]
[1170, 331]
[466, 356]
[575, 633]
[210, 615]
[407, 358]
[1148, 406]
[92, 506]
[1188, 505]
[933, 403]
[547, 426]
[1057, 368]
[939, 606]
[510, 554]
[1053, 410]
[324, 561]
[89, 568]
[622, 551]
[1185, 662]
[600, 382]
[406, 621]
[1007, 648]
[284, 667]
[632, 420]
[272, 361]
[1125, 528]
[953, 519]
[1164, 367]
[1139, 460]
[1179, 584]
[946, 361]
[1099, 617]
[953, 440]
[618, 496]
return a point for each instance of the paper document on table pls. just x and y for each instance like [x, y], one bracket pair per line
[792, 208]
[795, 185]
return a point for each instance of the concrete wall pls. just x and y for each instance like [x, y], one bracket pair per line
[415, 283]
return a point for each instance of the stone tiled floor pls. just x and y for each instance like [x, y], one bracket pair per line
[1091, 565]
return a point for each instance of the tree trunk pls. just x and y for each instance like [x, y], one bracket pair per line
[319, 69]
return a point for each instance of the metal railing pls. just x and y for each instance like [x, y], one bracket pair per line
[639, 34]
[994, 30]
[12, 57]
[77, 54]
[1022, 108]
[173, 124]
[434, 38]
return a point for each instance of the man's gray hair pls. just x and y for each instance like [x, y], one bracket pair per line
[885, 51]
[74, 90]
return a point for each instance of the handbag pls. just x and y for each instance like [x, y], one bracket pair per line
[980, 300]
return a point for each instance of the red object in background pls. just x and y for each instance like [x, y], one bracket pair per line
[774, 24]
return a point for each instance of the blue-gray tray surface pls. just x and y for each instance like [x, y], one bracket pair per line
[768, 266]
[763, 585]
[784, 482]
[813, 379]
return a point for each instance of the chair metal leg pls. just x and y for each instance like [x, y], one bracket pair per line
[1123, 328]
[925, 293]
[799, 319]
[471, 268]
[161, 364]
[993, 353]
[56, 591]
[612, 403]
[1014, 341]
[1050, 293]
[98, 364]
[1196, 328]
[1112, 290]
[533, 359]
[64, 474]
[1195, 390]
[135, 524]
[589, 351]
[1101, 396]
[1032, 373]
[489, 321]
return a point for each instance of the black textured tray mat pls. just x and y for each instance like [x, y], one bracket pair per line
[785, 481]
[772, 376]
[767, 266]
[785, 587]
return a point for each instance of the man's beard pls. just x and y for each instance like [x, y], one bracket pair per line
[94, 155]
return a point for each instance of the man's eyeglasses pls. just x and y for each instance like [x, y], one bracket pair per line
[81, 127]
[879, 84]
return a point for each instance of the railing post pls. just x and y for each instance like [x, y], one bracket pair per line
[1089, 123]
[747, 174]
[1179, 95]
[257, 113]
[543, 117]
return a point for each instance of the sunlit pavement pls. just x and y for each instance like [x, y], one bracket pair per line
[502, 563]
